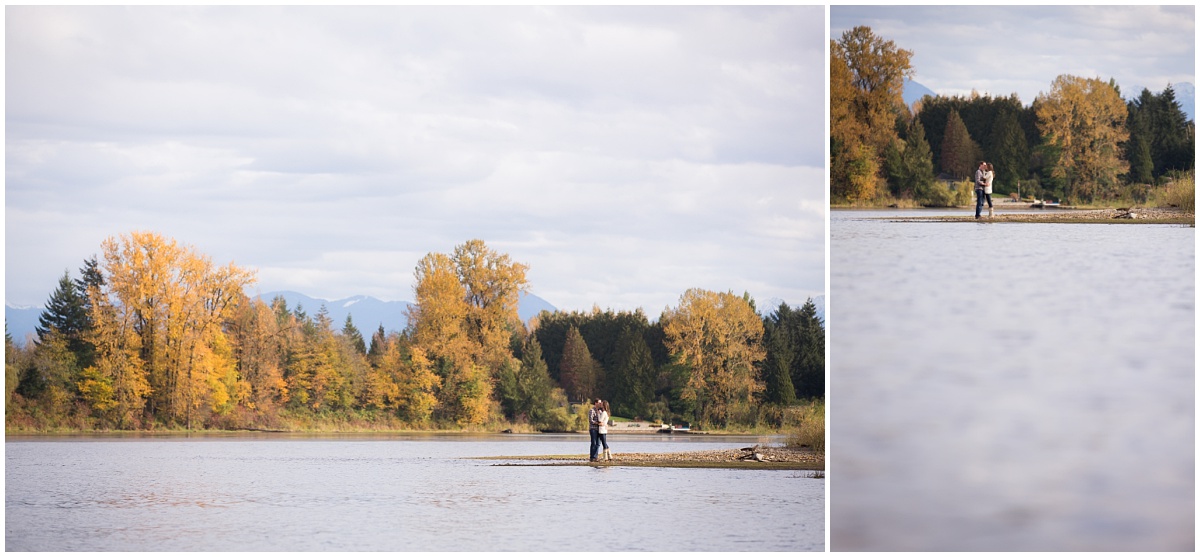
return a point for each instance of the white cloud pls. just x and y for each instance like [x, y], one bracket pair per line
[1021, 49]
[627, 154]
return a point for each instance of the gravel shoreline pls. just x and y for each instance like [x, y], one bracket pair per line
[1083, 216]
[771, 458]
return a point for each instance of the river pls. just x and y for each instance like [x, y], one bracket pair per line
[999, 386]
[393, 493]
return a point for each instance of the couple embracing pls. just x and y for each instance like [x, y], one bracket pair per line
[598, 418]
[983, 187]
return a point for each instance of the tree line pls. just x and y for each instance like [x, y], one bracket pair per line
[1080, 142]
[153, 335]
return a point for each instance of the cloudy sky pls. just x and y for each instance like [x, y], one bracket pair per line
[625, 154]
[1021, 49]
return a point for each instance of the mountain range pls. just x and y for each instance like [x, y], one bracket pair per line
[1185, 94]
[366, 312]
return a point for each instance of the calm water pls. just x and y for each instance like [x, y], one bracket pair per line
[1011, 386]
[393, 494]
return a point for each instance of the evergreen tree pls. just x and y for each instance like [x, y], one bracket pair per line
[64, 313]
[809, 368]
[12, 375]
[378, 343]
[918, 161]
[777, 367]
[354, 336]
[527, 393]
[1011, 157]
[579, 371]
[959, 152]
[1141, 163]
[632, 380]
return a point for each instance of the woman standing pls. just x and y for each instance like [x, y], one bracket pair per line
[987, 186]
[604, 416]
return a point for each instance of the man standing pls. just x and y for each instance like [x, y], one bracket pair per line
[979, 185]
[594, 430]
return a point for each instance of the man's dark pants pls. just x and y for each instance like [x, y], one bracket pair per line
[595, 432]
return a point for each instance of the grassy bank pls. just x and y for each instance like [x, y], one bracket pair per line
[807, 427]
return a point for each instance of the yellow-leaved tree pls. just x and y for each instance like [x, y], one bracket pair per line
[866, 81]
[402, 381]
[462, 320]
[719, 337]
[1085, 120]
[158, 331]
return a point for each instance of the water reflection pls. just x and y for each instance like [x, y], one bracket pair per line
[1011, 387]
[392, 493]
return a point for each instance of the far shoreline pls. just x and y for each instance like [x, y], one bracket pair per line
[1064, 215]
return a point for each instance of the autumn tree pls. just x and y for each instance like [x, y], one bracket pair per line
[1085, 120]
[866, 84]
[403, 381]
[465, 311]
[161, 313]
[718, 336]
[258, 346]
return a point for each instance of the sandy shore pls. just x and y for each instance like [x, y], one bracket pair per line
[772, 458]
[1079, 216]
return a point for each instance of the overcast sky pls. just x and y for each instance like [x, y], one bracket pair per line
[625, 154]
[1021, 49]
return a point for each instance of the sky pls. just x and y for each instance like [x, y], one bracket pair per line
[1001, 50]
[625, 154]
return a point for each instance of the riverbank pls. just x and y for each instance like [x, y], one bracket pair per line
[1068, 216]
[757, 458]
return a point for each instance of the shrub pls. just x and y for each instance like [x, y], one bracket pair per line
[807, 425]
[1180, 192]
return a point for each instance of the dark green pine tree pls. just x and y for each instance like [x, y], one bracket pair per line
[65, 314]
[808, 372]
[959, 152]
[918, 161]
[378, 344]
[631, 382]
[1141, 164]
[1178, 138]
[525, 390]
[893, 168]
[1011, 157]
[579, 371]
[354, 336]
[777, 367]
[12, 375]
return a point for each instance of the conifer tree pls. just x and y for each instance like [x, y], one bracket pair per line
[354, 336]
[65, 314]
[579, 371]
[777, 367]
[809, 367]
[1011, 157]
[959, 152]
[631, 382]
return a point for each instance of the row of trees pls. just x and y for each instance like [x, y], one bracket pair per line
[154, 335]
[1080, 141]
